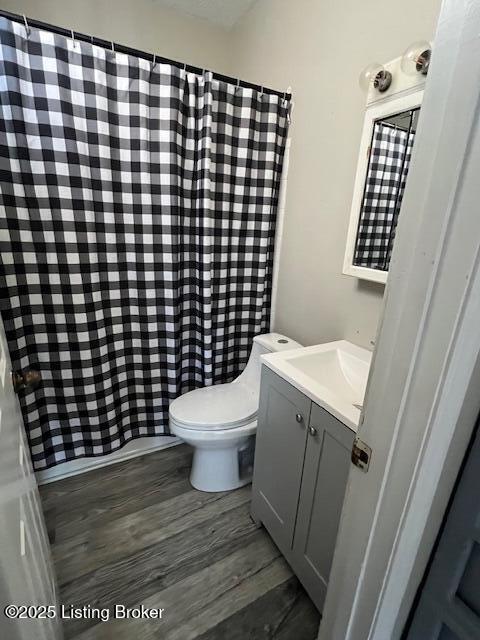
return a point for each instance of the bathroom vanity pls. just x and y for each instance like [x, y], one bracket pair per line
[310, 402]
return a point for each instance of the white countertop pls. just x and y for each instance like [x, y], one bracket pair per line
[333, 375]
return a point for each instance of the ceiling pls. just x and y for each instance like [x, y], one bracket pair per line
[221, 12]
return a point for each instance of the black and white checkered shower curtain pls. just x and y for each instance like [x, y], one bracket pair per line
[137, 223]
[390, 155]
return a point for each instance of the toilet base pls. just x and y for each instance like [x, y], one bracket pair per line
[216, 465]
[216, 470]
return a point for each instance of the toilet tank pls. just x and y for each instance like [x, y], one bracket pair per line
[262, 344]
[271, 342]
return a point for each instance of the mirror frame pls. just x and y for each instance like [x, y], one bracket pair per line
[403, 100]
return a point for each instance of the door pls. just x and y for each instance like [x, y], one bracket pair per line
[425, 375]
[327, 463]
[26, 573]
[449, 605]
[279, 455]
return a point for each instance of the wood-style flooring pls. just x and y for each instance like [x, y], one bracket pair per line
[137, 533]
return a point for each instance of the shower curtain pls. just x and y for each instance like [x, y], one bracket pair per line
[137, 222]
[390, 155]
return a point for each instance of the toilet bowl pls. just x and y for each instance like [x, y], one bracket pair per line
[219, 422]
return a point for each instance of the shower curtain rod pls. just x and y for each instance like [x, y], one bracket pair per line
[38, 24]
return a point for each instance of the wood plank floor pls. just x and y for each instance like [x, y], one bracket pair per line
[137, 533]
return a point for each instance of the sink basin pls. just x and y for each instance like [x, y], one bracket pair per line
[334, 375]
[336, 369]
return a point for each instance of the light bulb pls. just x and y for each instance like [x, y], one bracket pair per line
[416, 58]
[375, 75]
[368, 75]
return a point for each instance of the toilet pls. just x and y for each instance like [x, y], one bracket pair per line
[219, 422]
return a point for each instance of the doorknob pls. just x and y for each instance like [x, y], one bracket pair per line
[299, 417]
[312, 431]
[28, 381]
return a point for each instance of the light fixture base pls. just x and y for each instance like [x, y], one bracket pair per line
[423, 61]
[382, 81]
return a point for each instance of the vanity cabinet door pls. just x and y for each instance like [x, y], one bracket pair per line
[327, 463]
[279, 456]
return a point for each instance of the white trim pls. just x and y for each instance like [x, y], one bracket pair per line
[380, 109]
[422, 398]
[133, 449]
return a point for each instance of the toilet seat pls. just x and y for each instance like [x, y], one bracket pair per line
[223, 406]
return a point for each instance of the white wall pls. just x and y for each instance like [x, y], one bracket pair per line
[140, 24]
[319, 47]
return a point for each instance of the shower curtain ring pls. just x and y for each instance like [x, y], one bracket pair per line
[113, 48]
[73, 38]
[27, 26]
[154, 61]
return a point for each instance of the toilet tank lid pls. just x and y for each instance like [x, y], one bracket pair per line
[276, 342]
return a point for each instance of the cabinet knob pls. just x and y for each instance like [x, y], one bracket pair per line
[299, 417]
[312, 431]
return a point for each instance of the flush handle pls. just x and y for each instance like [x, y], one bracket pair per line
[299, 418]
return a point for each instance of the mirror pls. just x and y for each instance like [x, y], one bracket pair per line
[386, 149]
[389, 160]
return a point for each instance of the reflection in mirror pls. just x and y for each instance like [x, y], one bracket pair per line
[389, 159]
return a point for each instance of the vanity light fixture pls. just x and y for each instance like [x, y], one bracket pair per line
[416, 58]
[375, 74]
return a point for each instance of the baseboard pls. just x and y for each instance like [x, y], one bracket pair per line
[132, 449]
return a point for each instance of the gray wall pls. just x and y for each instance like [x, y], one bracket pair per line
[141, 24]
[319, 48]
